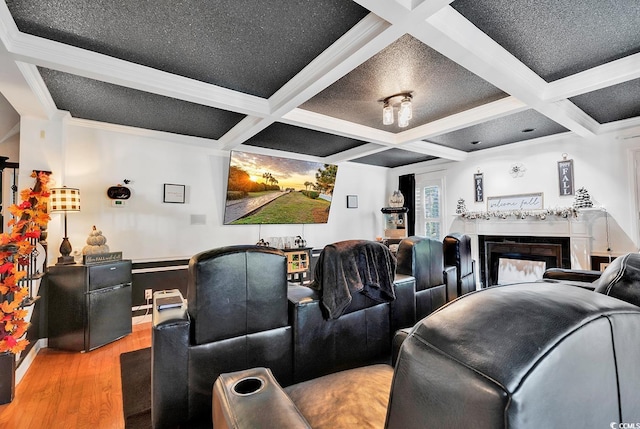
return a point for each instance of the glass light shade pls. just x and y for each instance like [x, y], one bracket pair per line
[387, 115]
[402, 121]
[405, 109]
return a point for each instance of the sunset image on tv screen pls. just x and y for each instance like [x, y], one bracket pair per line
[263, 189]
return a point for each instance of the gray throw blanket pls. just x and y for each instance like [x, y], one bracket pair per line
[352, 266]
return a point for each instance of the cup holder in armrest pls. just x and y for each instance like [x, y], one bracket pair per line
[248, 386]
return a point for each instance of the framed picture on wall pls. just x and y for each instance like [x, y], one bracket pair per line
[173, 193]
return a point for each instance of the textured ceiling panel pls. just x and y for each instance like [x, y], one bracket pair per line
[501, 131]
[558, 38]
[99, 101]
[256, 47]
[301, 140]
[440, 87]
[250, 46]
[394, 158]
[611, 104]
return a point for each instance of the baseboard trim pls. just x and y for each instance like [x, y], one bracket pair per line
[42, 343]
[141, 319]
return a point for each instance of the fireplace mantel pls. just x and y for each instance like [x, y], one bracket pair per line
[578, 229]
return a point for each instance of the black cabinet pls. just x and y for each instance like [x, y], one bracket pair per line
[89, 305]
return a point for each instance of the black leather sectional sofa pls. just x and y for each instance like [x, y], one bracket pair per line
[241, 313]
[548, 354]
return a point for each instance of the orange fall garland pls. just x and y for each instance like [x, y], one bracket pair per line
[29, 218]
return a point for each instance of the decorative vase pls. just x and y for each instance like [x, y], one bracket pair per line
[396, 199]
[7, 377]
[300, 242]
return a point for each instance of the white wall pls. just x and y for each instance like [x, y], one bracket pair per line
[9, 119]
[11, 148]
[93, 159]
[603, 165]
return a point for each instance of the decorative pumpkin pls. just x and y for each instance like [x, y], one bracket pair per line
[96, 243]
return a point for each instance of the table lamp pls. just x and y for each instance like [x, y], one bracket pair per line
[64, 200]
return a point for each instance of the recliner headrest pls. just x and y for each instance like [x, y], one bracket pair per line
[621, 279]
[526, 356]
[408, 248]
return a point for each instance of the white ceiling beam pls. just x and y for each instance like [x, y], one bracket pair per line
[21, 91]
[38, 88]
[363, 41]
[14, 85]
[605, 75]
[436, 150]
[455, 37]
[384, 139]
[359, 44]
[433, 22]
[141, 132]
[567, 114]
[319, 122]
[243, 131]
[69, 59]
[412, 12]
[474, 116]
[354, 153]
[627, 127]
[280, 153]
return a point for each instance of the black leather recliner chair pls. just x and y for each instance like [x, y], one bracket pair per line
[621, 278]
[358, 329]
[528, 356]
[457, 253]
[236, 318]
[436, 284]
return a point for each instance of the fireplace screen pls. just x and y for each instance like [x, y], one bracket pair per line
[537, 254]
[519, 270]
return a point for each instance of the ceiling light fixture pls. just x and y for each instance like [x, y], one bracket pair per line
[405, 112]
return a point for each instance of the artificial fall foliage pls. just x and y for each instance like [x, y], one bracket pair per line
[15, 250]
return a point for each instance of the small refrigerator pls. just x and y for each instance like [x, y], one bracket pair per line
[88, 305]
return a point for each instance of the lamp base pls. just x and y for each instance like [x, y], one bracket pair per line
[65, 260]
[65, 250]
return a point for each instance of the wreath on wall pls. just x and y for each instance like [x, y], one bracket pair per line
[30, 217]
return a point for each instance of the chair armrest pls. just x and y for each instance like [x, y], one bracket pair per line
[251, 399]
[398, 339]
[169, 364]
[451, 282]
[300, 294]
[403, 308]
[572, 275]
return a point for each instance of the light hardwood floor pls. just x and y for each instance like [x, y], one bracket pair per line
[73, 390]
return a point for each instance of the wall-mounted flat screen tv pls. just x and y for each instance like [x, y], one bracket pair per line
[263, 189]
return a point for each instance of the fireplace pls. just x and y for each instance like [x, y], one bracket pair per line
[547, 252]
[574, 234]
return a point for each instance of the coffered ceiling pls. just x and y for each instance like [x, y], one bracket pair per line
[306, 77]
